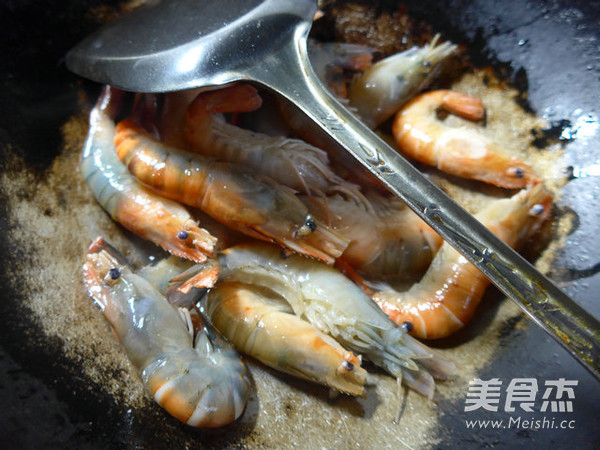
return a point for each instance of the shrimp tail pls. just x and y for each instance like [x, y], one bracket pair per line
[198, 119]
[199, 276]
[168, 381]
[182, 282]
[465, 106]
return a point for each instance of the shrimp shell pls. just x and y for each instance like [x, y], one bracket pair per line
[232, 194]
[336, 306]
[263, 326]
[459, 151]
[385, 86]
[446, 297]
[157, 219]
[290, 162]
[387, 241]
[202, 382]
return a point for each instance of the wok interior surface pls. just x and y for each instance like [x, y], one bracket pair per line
[64, 381]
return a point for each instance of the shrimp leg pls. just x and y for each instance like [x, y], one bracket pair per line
[202, 381]
[263, 326]
[290, 162]
[336, 306]
[449, 292]
[157, 219]
[232, 194]
[459, 151]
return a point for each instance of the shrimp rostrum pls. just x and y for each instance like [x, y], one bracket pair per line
[201, 381]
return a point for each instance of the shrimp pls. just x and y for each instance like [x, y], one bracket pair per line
[290, 162]
[374, 96]
[386, 241]
[231, 194]
[262, 325]
[200, 381]
[449, 292]
[459, 151]
[388, 84]
[159, 220]
[336, 306]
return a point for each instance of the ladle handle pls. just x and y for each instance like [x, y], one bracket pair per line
[546, 304]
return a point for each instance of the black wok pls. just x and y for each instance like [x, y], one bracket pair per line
[549, 50]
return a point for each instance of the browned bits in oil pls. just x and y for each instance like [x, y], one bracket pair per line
[387, 30]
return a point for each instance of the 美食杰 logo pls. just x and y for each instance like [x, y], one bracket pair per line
[522, 395]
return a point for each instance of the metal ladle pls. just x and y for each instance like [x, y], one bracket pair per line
[181, 44]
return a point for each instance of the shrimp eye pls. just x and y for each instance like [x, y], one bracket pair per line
[310, 223]
[536, 209]
[517, 172]
[348, 365]
[114, 273]
[407, 326]
[309, 227]
[183, 235]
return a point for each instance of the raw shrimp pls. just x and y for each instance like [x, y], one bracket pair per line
[375, 95]
[386, 241]
[159, 220]
[290, 162]
[262, 325]
[385, 86]
[201, 381]
[447, 295]
[336, 306]
[181, 281]
[232, 194]
[459, 151]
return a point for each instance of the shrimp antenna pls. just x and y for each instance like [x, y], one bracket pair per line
[401, 399]
[185, 315]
